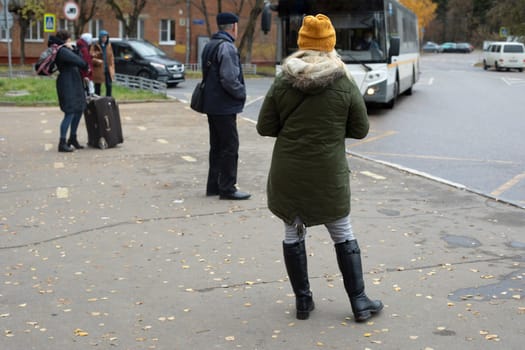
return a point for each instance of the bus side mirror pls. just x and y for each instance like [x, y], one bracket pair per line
[395, 43]
[266, 17]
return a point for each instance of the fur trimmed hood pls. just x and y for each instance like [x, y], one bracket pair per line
[310, 70]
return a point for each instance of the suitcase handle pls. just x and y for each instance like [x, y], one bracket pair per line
[106, 120]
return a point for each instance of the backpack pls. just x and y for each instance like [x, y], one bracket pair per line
[45, 65]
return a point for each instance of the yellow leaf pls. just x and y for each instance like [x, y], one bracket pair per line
[80, 333]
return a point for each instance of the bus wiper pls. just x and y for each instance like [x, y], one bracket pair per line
[367, 67]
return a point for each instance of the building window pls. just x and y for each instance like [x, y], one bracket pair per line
[167, 31]
[95, 26]
[35, 31]
[3, 35]
[64, 24]
[140, 29]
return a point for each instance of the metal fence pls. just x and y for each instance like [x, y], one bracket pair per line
[140, 83]
[247, 68]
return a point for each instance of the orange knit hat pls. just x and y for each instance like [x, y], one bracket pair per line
[316, 33]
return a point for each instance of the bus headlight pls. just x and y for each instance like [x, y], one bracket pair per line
[371, 91]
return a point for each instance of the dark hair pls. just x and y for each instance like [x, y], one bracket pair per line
[63, 35]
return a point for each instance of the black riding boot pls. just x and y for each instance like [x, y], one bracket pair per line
[63, 147]
[296, 266]
[349, 260]
[74, 142]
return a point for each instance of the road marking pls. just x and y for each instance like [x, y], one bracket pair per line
[374, 138]
[431, 81]
[513, 81]
[373, 175]
[508, 185]
[253, 101]
[420, 156]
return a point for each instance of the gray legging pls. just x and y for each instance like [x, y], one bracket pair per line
[340, 231]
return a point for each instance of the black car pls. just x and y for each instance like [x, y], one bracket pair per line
[464, 48]
[142, 58]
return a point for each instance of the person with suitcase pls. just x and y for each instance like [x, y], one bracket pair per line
[70, 89]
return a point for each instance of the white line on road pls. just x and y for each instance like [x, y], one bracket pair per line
[253, 101]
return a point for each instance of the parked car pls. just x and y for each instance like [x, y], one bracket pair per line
[431, 46]
[448, 47]
[504, 55]
[142, 58]
[464, 48]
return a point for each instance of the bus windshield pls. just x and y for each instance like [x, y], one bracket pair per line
[360, 35]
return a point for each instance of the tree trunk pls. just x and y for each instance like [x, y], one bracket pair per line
[24, 23]
[246, 45]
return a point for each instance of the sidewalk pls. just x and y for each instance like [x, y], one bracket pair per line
[121, 249]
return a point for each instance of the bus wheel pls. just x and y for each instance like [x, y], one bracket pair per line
[408, 92]
[390, 104]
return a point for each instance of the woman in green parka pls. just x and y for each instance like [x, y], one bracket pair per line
[312, 106]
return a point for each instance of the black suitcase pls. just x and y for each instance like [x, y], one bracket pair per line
[103, 122]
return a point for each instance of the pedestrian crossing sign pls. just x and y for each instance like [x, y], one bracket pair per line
[49, 22]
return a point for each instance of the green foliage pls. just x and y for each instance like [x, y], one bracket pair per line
[31, 91]
[31, 9]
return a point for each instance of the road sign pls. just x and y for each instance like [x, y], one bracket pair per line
[71, 11]
[49, 22]
[503, 32]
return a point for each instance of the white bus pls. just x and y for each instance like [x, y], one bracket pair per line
[382, 70]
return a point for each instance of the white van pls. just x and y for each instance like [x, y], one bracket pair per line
[504, 55]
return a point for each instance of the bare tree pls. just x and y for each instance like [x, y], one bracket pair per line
[246, 44]
[25, 12]
[127, 12]
[87, 10]
[201, 6]
[459, 19]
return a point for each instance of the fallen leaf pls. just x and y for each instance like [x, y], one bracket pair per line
[80, 333]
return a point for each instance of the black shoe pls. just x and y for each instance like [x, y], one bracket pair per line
[74, 142]
[212, 193]
[63, 147]
[349, 261]
[235, 196]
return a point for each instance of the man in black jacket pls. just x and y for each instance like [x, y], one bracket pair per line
[225, 95]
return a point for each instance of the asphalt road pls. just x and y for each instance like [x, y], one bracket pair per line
[462, 125]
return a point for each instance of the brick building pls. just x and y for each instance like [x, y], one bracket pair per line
[179, 28]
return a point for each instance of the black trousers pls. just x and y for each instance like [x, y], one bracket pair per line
[108, 85]
[224, 154]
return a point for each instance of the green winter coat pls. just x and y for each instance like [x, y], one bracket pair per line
[312, 106]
